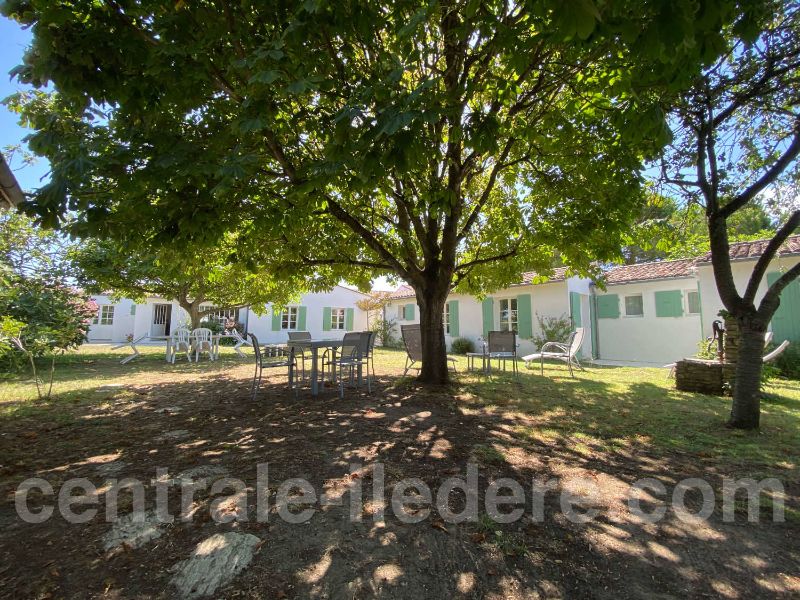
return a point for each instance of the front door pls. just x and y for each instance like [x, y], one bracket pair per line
[162, 317]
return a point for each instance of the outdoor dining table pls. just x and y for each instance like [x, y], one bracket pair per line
[314, 346]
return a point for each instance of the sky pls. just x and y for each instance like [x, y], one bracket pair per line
[13, 42]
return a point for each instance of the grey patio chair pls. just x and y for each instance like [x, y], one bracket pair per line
[412, 339]
[269, 362]
[567, 353]
[300, 351]
[349, 357]
[502, 345]
[370, 355]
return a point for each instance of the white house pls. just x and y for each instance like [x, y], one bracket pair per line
[650, 313]
[658, 312]
[517, 307]
[324, 314]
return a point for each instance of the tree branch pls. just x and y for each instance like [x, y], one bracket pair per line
[487, 190]
[769, 253]
[767, 178]
[371, 240]
[771, 300]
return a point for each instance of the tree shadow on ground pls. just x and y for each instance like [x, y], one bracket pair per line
[337, 445]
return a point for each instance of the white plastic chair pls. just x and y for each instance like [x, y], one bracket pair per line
[202, 342]
[567, 353]
[240, 341]
[180, 340]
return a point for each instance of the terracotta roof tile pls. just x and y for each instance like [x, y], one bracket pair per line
[667, 269]
[404, 291]
[559, 274]
[754, 249]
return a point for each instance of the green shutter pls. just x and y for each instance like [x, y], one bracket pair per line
[326, 318]
[348, 319]
[786, 320]
[133, 309]
[488, 316]
[408, 312]
[453, 304]
[301, 318]
[575, 308]
[669, 303]
[276, 319]
[608, 306]
[524, 316]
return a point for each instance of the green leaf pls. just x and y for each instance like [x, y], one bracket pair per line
[265, 77]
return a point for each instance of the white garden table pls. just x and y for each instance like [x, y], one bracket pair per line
[214, 354]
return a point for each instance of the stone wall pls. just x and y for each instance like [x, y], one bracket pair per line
[697, 375]
[731, 342]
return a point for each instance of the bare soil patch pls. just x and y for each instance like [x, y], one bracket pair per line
[206, 427]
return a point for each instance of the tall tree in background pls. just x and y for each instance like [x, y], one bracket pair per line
[451, 143]
[665, 230]
[739, 138]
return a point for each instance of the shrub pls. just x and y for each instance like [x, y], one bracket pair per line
[52, 317]
[705, 351]
[384, 328]
[788, 363]
[552, 329]
[462, 346]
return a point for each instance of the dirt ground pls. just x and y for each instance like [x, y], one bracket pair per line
[430, 436]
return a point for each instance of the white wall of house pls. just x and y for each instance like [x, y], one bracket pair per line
[121, 317]
[741, 274]
[315, 304]
[547, 300]
[141, 319]
[649, 338]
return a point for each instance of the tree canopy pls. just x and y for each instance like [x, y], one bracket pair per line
[191, 277]
[445, 143]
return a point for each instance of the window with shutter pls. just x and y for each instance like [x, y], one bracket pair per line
[607, 306]
[669, 303]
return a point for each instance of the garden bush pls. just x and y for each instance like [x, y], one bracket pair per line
[788, 363]
[552, 329]
[462, 346]
[53, 316]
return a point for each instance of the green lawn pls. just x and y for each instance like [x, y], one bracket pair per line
[602, 410]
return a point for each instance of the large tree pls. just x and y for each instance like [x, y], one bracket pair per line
[738, 139]
[450, 143]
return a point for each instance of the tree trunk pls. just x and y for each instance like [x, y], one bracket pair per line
[431, 302]
[193, 310]
[747, 386]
